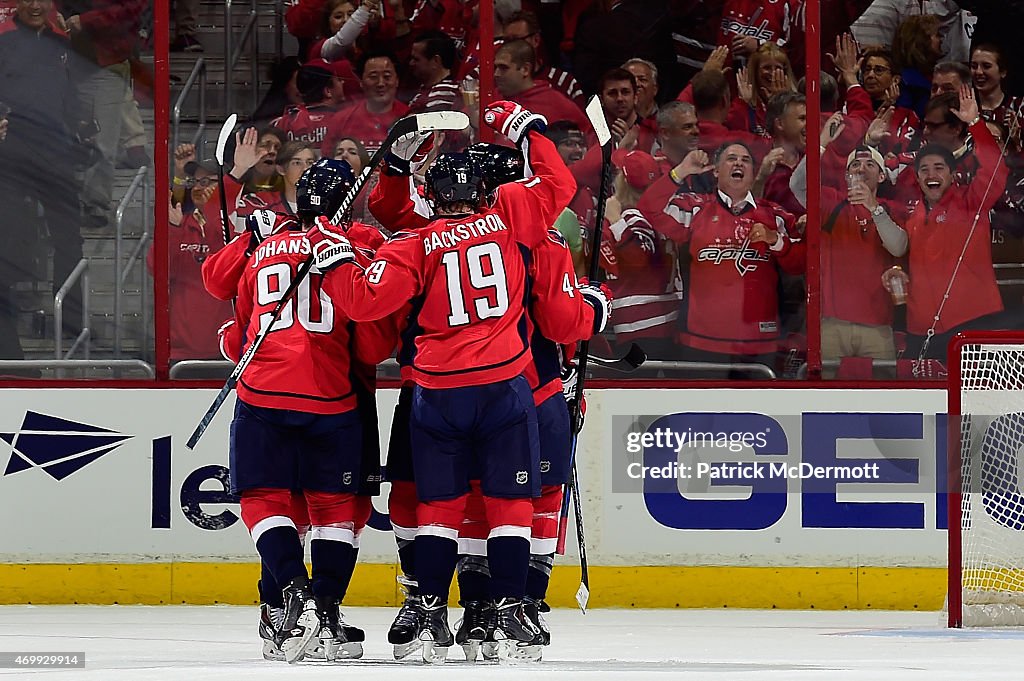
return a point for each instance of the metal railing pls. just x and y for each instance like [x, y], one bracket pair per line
[279, 30]
[60, 365]
[753, 369]
[121, 273]
[81, 271]
[198, 74]
[233, 53]
[210, 369]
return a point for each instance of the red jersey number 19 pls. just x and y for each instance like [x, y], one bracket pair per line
[486, 274]
[316, 315]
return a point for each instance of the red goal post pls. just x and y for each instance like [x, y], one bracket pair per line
[986, 503]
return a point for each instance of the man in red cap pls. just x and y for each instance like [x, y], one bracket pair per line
[641, 263]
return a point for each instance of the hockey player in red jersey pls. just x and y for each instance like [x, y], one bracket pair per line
[559, 312]
[296, 424]
[471, 405]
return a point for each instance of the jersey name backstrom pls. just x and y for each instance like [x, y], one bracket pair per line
[449, 238]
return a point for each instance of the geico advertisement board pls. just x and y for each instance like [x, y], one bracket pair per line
[670, 477]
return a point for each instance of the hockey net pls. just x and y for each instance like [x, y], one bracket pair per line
[986, 505]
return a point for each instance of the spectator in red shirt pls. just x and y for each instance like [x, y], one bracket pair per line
[322, 86]
[682, 165]
[711, 99]
[514, 64]
[194, 233]
[736, 244]
[859, 241]
[525, 26]
[368, 121]
[952, 285]
[787, 123]
[641, 263]
[617, 89]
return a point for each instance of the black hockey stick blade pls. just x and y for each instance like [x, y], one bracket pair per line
[631, 361]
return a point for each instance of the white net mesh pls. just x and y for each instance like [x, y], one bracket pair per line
[992, 508]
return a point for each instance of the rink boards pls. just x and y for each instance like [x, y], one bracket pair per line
[788, 498]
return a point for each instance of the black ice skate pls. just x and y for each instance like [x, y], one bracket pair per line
[471, 630]
[534, 611]
[270, 623]
[489, 648]
[352, 649]
[518, 639]
[434, 632]
[333, 635]
[406, 627]
[301, 622]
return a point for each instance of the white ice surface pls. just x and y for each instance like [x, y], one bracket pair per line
[170, 642]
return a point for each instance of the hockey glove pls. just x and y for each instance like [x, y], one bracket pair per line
[513, 121]
[410, 147]
[230, 339]
[261, 225]
[599, 297]
[330, 248]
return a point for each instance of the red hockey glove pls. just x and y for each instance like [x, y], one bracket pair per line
[329, 247]
[513, 121]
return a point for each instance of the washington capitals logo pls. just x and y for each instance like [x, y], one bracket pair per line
[57, 446]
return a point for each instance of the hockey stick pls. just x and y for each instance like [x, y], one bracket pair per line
[604, 137]
[444, 120]
[628, 363]
[222, 142]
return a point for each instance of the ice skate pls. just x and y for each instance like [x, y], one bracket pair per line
[471, 630]
[271, 619]
[352, 649]
[434, 632]
[489, 648]
[517, 637]
[534, 610]
[301, 623]
[405, 628]
[334, 633]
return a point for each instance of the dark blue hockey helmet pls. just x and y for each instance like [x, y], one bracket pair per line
[500, 164]
[322, 188]
[455, 178]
